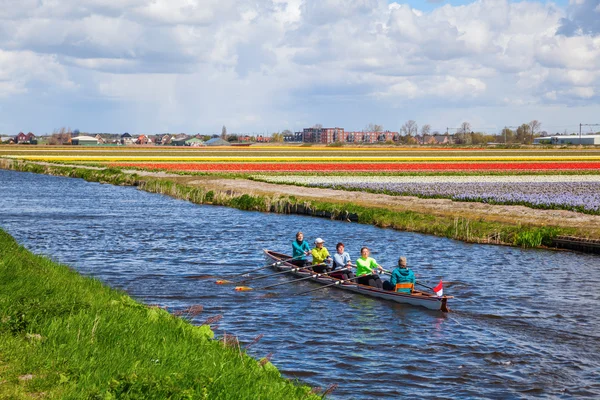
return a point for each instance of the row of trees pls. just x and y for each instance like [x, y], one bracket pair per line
[464, 134]
[523, 134]
[62, 136]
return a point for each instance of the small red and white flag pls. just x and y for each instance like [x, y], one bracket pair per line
[439, 289]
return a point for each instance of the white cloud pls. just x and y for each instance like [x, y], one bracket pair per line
[265, 63]
[583, 92]
[24, 71]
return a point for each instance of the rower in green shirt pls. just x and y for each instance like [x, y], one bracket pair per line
[320, 256]
[365, 267]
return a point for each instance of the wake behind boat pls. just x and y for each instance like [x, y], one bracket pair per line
[280, 263]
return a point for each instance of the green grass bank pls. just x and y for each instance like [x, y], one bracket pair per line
[473, 230]
[65, 336]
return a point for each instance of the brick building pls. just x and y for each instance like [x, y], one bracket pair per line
[293, 137]
[332, 135]
[323, 135]
[25, 138]
[371, 137]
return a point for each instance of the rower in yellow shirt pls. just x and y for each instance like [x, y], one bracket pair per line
[320, 255]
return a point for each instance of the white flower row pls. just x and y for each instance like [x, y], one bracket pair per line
[351, 180]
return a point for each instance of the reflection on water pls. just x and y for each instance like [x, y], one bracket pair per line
[525, 322]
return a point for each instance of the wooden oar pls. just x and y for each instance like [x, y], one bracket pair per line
[199, 277]
[316, 275]
[425, 286]
[331, 284]
[277, 273]
[225, 281]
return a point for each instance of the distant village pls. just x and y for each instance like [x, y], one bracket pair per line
[308, 135]
[313, 135]
[77, 138]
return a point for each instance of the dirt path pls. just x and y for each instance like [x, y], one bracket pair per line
[442, 207]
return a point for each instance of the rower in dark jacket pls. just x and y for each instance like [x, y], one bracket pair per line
[402, 280]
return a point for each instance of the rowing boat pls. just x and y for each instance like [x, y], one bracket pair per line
[416, 298]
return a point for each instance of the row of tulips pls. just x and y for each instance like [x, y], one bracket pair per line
[364, 167]
[310, 158]
[351, 180]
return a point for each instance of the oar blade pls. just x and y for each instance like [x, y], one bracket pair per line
[222, 282]
[243, 288]
[268, 295]
[200, 277]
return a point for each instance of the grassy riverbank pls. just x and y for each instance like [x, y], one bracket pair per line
[468, 228]
[66, 336]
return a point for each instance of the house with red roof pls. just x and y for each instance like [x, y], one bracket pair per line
[23, 138]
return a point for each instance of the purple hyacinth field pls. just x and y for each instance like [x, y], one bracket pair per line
[577, 193]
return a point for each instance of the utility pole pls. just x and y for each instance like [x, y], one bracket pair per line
[580, 125]
[453, 129]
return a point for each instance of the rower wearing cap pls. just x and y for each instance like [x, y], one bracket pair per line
[365, 269]
[320, 255]
[403, 278]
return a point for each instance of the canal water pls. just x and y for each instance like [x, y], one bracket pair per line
[525, 323]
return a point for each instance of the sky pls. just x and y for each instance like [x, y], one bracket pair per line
[262, 66]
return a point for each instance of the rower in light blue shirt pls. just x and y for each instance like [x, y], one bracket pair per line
[341, 259]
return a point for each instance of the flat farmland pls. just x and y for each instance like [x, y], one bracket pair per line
[322, 160]
[540, 187]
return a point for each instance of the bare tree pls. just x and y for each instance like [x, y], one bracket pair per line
[318, 126]
[60, 136]
[465, 128]
[224, 133]
[534, 126]
[425, 129]
[373, 128]
[410, 128]
[523, 133]
[463, 134]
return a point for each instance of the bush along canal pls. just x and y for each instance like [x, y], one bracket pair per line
[67, 336]
[469, 229]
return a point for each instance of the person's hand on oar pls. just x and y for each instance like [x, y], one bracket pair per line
[225, 281]
[349, 280]
[311, 276]
[287, 271]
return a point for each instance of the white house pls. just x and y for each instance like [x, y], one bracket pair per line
[569, 139]
[84, 141]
